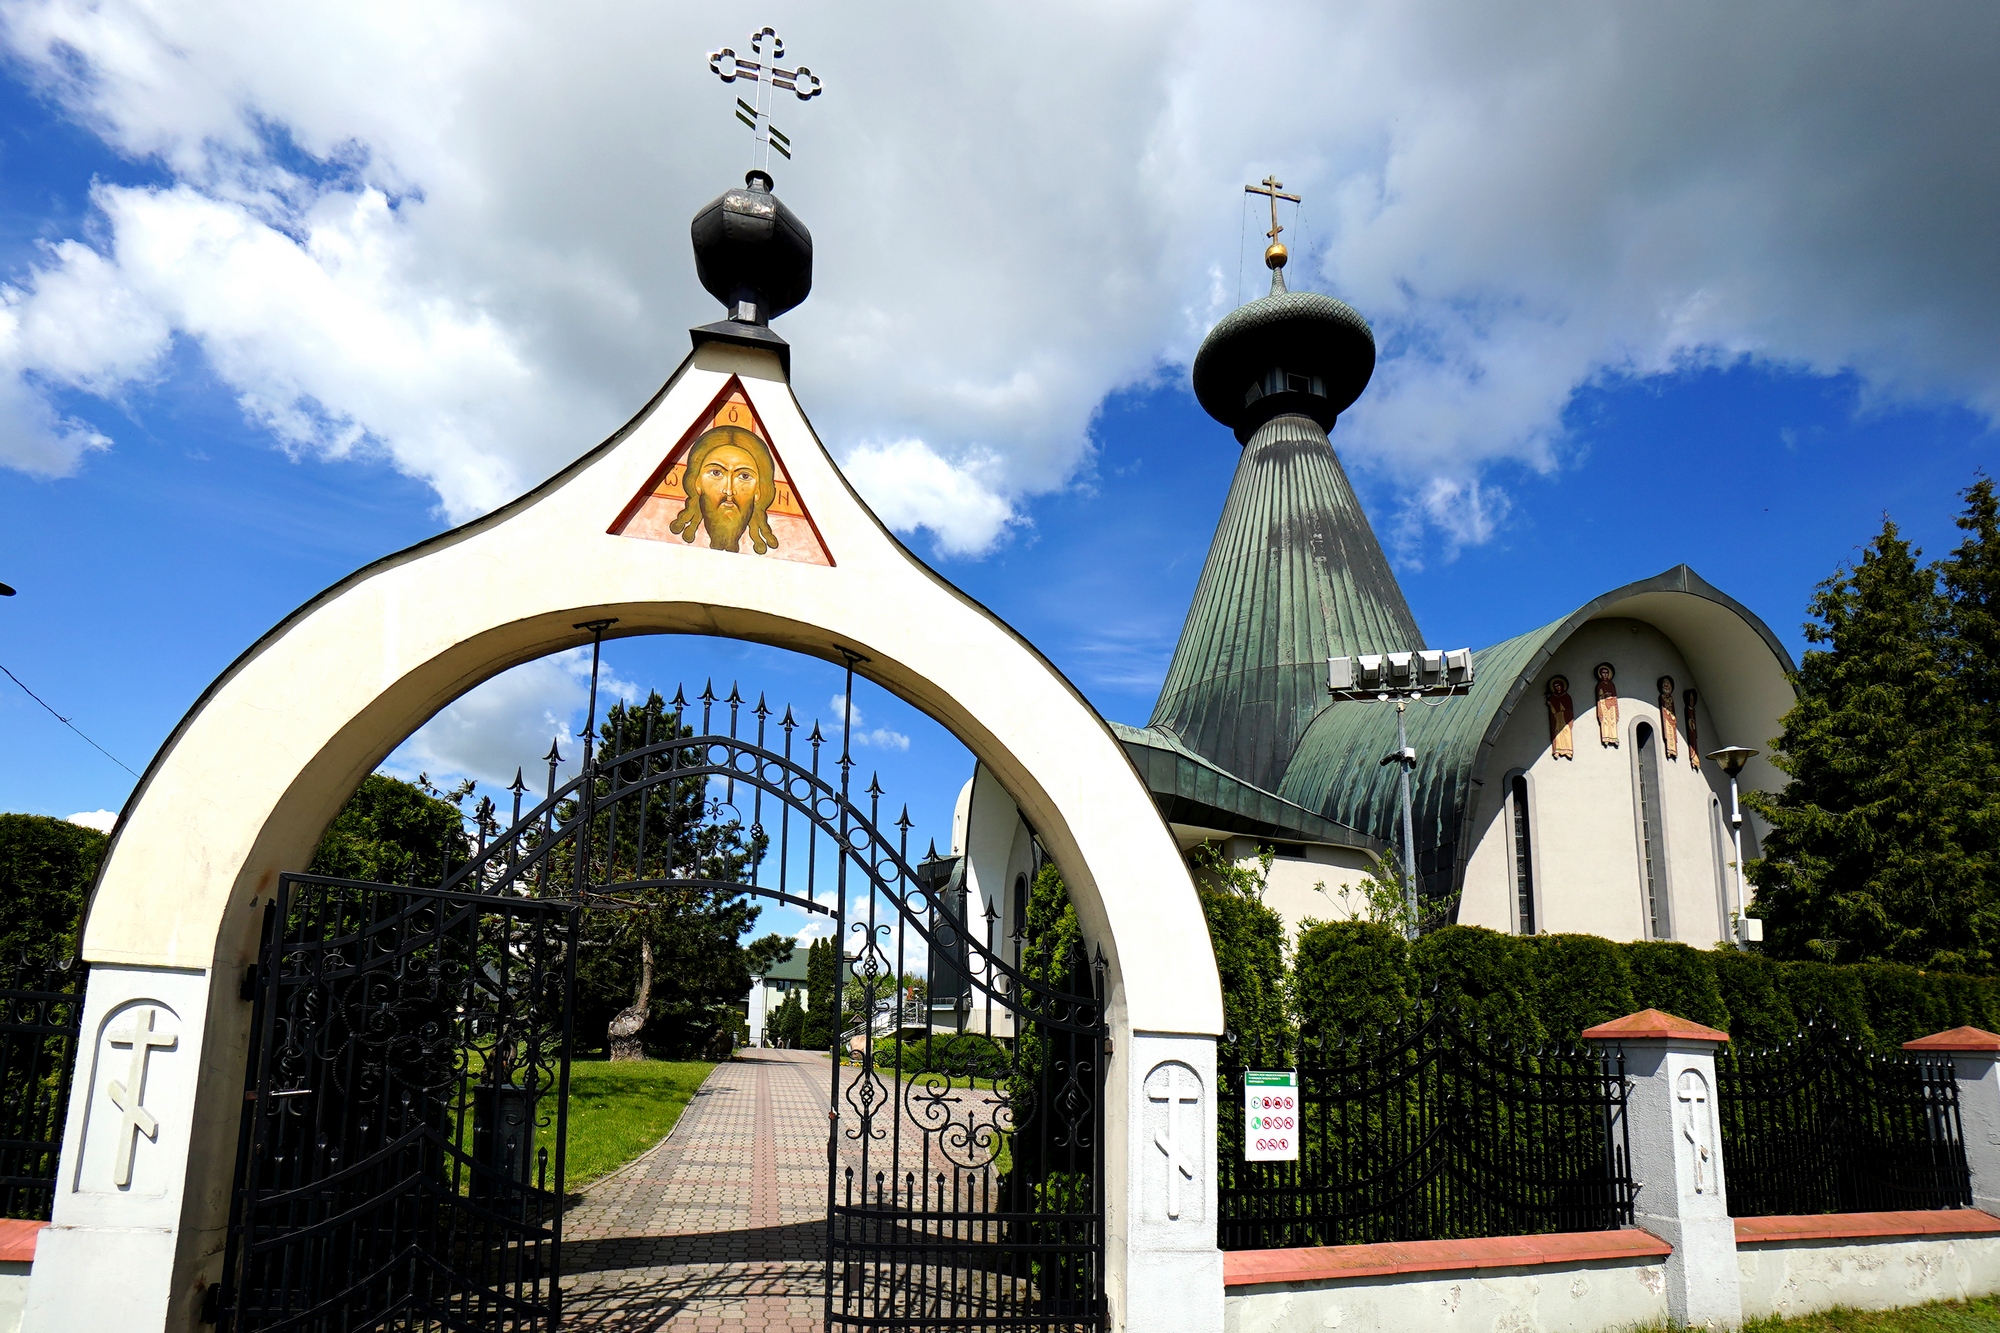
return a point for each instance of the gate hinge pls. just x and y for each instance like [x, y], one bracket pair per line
[1107, 1047]
[247, 991]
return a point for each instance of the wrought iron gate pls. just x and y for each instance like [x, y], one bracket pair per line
[409, 1048]
[401, 1157]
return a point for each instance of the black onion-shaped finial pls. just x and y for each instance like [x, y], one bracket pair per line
[752, 253]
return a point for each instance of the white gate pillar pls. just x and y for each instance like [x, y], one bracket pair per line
[1173, 1271]
[1975, 1059]
[106, 1259]
[1676, 1140]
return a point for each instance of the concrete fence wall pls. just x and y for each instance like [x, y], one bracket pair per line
[1687, 1261]
[1573, 1283]
[1589, 1281]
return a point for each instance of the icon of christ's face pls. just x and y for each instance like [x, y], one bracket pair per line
[726, 489]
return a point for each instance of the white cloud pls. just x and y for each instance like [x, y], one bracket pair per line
[1460, 511]
[910, 487]
[508, 723]
[101, 820]
[816, 927]
[37, 441]
[882, 738]
[457, 235]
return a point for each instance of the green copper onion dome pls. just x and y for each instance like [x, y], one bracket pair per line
[1294, 574]
[1287, 352]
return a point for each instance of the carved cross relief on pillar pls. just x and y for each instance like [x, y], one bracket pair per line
[1697, 1127]
[1178, 1143]
[129, 1093]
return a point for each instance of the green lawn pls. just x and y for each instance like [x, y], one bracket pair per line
[617, 1111]
[1977, 1316]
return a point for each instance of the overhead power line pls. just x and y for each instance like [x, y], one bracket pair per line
[67, 723]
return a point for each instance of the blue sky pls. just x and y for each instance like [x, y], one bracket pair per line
[1734, 346]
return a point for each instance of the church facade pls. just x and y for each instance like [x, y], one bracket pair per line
[1567, 791]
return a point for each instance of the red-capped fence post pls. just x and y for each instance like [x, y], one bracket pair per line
[1676, 1142]
[1975, 1059]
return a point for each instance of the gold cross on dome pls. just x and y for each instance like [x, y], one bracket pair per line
[1273, 187]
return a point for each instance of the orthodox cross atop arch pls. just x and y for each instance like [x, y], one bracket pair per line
[770, 79]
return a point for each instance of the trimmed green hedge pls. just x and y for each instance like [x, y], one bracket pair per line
[1352, 975]
[46, 869]
[959, 1054]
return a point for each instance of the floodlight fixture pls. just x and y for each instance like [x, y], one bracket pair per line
[1422, 673]
[1402, 678]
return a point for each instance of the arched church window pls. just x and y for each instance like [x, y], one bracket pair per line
[1652, 833]
[1524, 858]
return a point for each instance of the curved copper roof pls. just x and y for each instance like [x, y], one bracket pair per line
[1336, 769]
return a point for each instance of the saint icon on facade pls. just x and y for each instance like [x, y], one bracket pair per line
[1562, 713]
[1607, 704]
[1694, 746]
[1669, 726]
[730, 485]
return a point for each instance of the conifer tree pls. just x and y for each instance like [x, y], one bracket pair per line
[666, 965]
[1882, 846]
[822, 973]
[1971, 579]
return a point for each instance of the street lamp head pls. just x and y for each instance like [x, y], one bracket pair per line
[1733, 757]
[6, 591]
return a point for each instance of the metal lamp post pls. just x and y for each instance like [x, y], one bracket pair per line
[1733, 758]
[1401, 678]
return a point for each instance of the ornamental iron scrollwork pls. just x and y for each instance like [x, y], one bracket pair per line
[400, 1163]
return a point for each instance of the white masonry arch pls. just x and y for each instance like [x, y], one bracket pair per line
[250, 778]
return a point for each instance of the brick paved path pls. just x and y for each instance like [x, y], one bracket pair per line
[723, 1226]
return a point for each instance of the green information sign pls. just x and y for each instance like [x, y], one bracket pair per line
[1271, 1115]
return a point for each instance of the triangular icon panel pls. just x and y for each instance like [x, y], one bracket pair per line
[741, 499]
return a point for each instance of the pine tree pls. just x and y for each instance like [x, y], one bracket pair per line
[1971, 578]
[785, 1025]
[665, 963]
[1882, 845]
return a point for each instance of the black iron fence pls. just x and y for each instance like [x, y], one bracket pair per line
[40, 1008]
[1433, 1131]
[1822, 1124]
